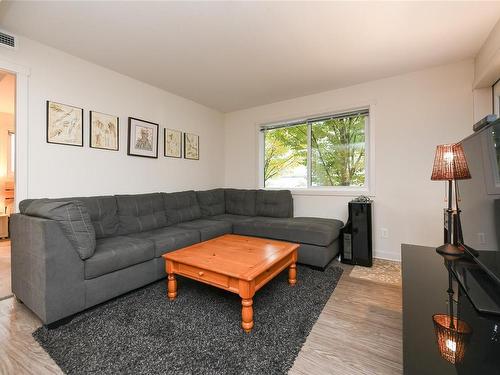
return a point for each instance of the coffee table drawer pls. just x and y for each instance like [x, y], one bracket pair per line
[200, 274]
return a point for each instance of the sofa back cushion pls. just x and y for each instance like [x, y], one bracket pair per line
[24, 204]
[181, 206]
[240, 202]
[103, 212]
[212, 202]
[141, 212]
[274, 203]
[74, 219]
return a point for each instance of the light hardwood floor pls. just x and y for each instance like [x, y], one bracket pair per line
[358, 332]
[4, 269]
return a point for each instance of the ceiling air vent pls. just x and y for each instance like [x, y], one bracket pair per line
[7, 40]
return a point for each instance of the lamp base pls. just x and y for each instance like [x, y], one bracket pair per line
[449, 249]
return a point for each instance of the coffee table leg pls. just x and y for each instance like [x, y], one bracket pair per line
[172, 287]
[292, 274]
[247, 314]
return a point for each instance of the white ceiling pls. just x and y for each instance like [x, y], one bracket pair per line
[235, 55]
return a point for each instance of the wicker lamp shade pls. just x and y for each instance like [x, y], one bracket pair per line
[452, 335]
[450, 163]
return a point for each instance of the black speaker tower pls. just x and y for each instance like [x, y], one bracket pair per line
[356, 238]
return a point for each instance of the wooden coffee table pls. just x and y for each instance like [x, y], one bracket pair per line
[239, 264]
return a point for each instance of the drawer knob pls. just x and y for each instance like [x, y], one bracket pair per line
[201, 273]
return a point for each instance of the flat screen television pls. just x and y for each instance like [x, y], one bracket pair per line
[480, 199]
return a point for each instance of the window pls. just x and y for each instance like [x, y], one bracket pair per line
[330, 151]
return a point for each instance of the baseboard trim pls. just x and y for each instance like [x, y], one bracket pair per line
[6, 297]
[387, 255]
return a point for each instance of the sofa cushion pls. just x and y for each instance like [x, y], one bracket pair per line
[240, 202]
[116, 253]
[317, 256]
[308, 230]
[181, 206]
[73, 218]
[169, 238]
[231, 218]
[103, 212]
[211, 202]
[24, 204]
[141, 212]
[208, 228]
[274, 203]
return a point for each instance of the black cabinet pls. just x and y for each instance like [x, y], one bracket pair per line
[356, 237]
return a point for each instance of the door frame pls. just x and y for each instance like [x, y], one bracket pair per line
[21, 175]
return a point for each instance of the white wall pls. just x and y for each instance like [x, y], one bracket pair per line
[483, 103]
[412, 114]
[487, 61]
[486, 73]
[57, 170]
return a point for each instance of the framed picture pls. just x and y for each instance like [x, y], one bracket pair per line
[142, 138]
[191, 146]
[64, 124]
[173, 143]
[104, 131]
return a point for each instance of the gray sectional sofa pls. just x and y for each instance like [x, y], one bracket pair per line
[70, 254]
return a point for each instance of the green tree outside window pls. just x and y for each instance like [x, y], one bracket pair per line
[337, 148]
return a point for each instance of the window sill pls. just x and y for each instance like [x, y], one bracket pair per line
[346, 192]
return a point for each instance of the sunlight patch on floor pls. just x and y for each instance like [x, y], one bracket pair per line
[382, 271]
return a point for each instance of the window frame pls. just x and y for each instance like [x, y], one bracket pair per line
[368, 189]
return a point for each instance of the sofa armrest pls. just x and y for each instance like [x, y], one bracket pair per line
[47, 273]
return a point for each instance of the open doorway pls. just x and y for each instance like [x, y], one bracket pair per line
[7, 174]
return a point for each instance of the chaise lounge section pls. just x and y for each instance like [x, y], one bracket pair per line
[70, 254]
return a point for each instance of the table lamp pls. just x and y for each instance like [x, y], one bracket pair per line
[450, 165]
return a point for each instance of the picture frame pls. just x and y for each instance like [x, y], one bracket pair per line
[104, 131]
[64, 124]
[172, 143]
[142, 138]
[191, 146]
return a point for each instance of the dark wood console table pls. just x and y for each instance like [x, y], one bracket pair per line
[425, 284]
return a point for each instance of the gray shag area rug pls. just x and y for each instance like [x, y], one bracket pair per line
[143, 332]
